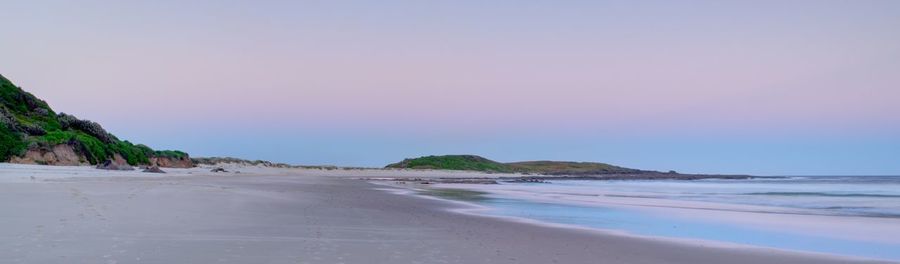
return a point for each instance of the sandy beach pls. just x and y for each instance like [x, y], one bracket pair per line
[262, 215]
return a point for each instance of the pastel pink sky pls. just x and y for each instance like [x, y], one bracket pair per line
[448, 71]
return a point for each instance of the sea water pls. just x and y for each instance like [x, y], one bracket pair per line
[869, 197]
[876, 196]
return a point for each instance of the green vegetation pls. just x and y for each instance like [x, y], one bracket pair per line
[10, 143]
[453, 162]
[96, 150]
[133, 154]
[174, 154]
[476, 163]
[28, 123]
[569, 168]
[21, 109]
[55, 137]
[92, 148]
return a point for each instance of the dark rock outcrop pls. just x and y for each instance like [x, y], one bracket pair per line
[154, 169]
[113, 165]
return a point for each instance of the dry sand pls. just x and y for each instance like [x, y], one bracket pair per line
[82, 215]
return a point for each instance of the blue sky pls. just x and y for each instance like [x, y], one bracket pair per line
[760, 87]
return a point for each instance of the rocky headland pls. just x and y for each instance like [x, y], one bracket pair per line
[33, 133]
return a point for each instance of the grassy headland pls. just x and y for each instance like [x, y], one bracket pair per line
[453, 162]
[477, 163]
[28, 123]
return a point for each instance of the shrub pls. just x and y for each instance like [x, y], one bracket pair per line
[7, 119]
[93, 149]
[34, 130]
[173, 154]
[27, 122]
[145, 149]
[56, 137]
[452, 162]
[27, 108]
[11, 143]
[134, 155]
[86, 126]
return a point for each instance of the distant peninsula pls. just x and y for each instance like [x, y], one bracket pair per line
[545, 169]
[478, 163]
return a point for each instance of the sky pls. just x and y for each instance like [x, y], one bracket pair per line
[756, 87]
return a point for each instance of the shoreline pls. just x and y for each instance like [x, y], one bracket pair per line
[83, 215]
[477, 210]
[474, 208]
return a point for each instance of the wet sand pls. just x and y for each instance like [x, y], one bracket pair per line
[81, 215]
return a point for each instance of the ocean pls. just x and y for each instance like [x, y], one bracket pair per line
[875, 196]
[849, 216]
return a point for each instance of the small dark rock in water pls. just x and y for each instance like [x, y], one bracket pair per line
[219, 169]
[154, 169]
[529, 180]
[110, 165]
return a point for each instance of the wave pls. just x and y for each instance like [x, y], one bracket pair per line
[823, 194]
